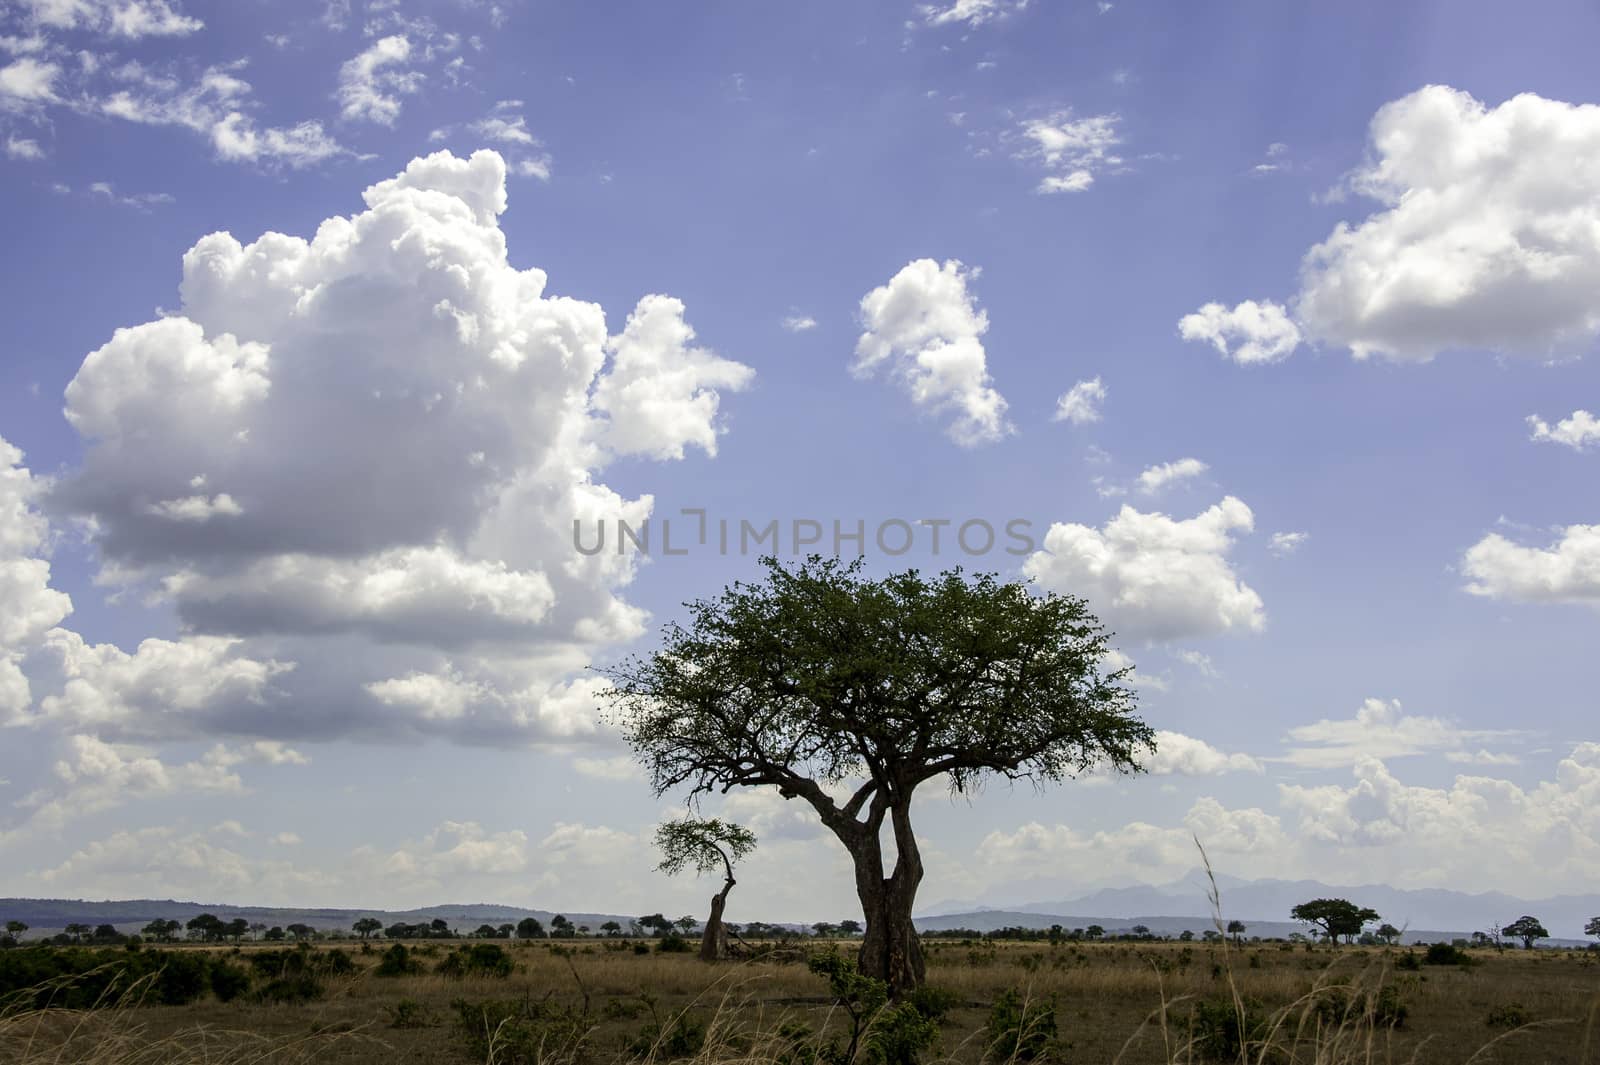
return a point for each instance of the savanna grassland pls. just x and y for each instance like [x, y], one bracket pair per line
[603, 1002]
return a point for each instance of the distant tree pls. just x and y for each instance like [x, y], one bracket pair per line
[256, 928]
[1526, 929]
[1094, 931]
[205, 926]
[1236, 929]
[236, 929]
[705, 845]
[1141, 930]
[300, 931]
[583, 929]
[561, 927]
[817, 675]
[76, 931]
[530, 928]
[274, 934]
[611, 928]
[1335, 917]
[439, 927]
[1590, 929]
[161, 930]
[365, 927]
[1186, 936]
[107, 933]
[1388, 933]
[656, 924]
[505, 930]
[823, 930]
[16, 928]
[852, 927]
[486, 931]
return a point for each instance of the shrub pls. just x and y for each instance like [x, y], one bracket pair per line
[397, 961]
[1221, 1030]
[229, 981]
[407, 1013]
[684, 1037]
[1020, 1030]
[1446, 954]
[898, 1034]
[1508, 1015]
[480, 959]
[510, 1032]
[673, 943]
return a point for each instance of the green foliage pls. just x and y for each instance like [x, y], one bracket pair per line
[228, 981]
[521, 1032]
[480, 959]
[889, 1033]
[1446, 954]
[1508, 1015]
[1019, 1029]
[1383, 1006]
[407, 1013]
[1528, 929]
[79, 977]
[397, 961]
[1336, 917]
[1222, 1030]
[682, 1037]
[673, 943]
[706, 845]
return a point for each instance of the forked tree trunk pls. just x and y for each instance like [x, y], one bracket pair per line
[890, 948]
[714, 940]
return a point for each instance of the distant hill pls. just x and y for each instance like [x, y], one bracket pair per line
[45, 916]
[1264, 903]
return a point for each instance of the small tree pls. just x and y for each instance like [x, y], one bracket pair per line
[274, 934]
[706, 845]
[366, 927]
[1590, 929]
[656, 924]
[850, 927]
[1388, 933]
[1526, 929]
[1335, 917]
[236, 929]
[817, 676]
[1236, 929]
[530, 928]
[611, 928]
[300, 931]
[561, 927]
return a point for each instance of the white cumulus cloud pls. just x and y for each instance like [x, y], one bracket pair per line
[1250, 333]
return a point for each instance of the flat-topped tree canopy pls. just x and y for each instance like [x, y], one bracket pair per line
[818, 679]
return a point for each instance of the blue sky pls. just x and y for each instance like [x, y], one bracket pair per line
[1322, 280]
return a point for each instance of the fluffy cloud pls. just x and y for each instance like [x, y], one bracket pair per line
[1074, 151]
[131, 19]
[1379, 730]
[970, 13]
[351, 464]
[1284, 544]
[1568, 571]
[26, 82]
[1080, 404]
[661, 394]
[1149, 576]
[1489, 236]
[1157, 477]
[1250, 334]
[1188, 756]
[1579, 431]
[32, 607]
[929, 327]
[371, 83]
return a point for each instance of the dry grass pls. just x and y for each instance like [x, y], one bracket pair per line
[1132, 1004]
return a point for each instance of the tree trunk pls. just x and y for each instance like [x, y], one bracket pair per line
[714, 940]
[890, 949]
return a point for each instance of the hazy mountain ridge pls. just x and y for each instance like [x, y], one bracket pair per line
[130, 914]
[1268, 902]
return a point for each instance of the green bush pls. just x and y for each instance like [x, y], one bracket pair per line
[407, 1013]
[228, 982]
[513, 1032]
[1220, 1030]
[684, 1037]
[673, 943]
[79, 978]
[397, 961]
[1020, 1030]
[480, 959]
[1446, 954]
[1508, 1015]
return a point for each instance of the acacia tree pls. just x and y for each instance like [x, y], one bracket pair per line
[1336, 917]
[1526, 929]
[817, 677]
[705, 845]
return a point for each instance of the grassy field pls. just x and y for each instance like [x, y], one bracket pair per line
[1129, 1002]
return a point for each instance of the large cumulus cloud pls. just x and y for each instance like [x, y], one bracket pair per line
[351, 464]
